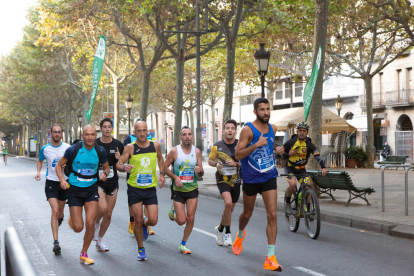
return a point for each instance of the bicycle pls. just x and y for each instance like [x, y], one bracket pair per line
[302, 209]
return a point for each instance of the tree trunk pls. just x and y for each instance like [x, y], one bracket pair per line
[157, 129]
[145, 93]
[191, 110]
[116, 106]
[179, 74]
[75, 129]
[228, 94]
[213, 120]
[66, 129]
[370, 122]
[271, 88]
[319, 39]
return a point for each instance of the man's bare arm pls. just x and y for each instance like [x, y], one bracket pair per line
[170, 159]
[200, 170]
[246, 135]
[124, 158]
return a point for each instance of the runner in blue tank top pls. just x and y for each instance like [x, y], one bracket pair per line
[255, 150]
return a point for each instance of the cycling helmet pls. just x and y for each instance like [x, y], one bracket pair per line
[302, 125]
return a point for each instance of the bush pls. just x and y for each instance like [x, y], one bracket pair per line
[357, 153]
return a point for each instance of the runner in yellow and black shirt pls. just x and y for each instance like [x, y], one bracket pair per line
[223, 157]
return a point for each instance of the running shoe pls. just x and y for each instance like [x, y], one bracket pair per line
[272, 264]
[227, 240]
[151, 232]
[141, 255]
[131, 228]
[219, 236]
[145, 233]
[184, 249]
[70, 223]
[56, 248]
[237, 245]
[96, 235]
[101, 247]
[171, 213]
[84, 259]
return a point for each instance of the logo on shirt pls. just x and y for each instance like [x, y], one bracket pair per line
[137, 150]
[220, 149]
[145, 162]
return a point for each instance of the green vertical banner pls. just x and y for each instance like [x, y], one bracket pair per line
[98, 62]
[310, 85]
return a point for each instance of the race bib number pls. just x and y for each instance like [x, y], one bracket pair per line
[86, 172]
[144, 179]
[111, 171]
[228, 171]
[266, 163]
[187, 176]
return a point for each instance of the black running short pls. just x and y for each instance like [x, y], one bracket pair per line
[182, 197]
[53, 190]
[108, 189]
[293, 171]
[147, 196]
[252, 189]
[78, 196]
[234, 191]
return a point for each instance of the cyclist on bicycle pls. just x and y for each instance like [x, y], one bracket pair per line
[297, 152]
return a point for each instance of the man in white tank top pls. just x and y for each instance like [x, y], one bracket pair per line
[187, 162]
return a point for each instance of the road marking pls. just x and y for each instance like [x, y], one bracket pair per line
[204, 232]
[308, 271]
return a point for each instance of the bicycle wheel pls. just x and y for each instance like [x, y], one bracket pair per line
[312, 213]
[292, 219]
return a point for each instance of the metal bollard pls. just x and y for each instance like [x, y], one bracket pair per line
[17, 261]
[406, 188]
[383, 188]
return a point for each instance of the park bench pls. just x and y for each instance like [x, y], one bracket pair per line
[393, 160]
[337, 180]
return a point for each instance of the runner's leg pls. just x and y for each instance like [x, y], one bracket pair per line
[102, 206]
[137, 213]
[54, 205]
[270, 201]
[152, 215]
[179, 215]
[191, 209]
[76, 218]
[111, 201]
[61, 208]
[91, 208]
[248, 207]
[228, 209]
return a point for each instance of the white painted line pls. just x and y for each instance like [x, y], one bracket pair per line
[204, 232]
[308, 271]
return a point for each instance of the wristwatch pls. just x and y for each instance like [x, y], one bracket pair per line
[163, 173]
[106, 174]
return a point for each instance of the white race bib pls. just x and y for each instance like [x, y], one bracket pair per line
[228, 170]
[144, 179]
[111, 171]
[86, 172]
[187, 176]
[266, 163]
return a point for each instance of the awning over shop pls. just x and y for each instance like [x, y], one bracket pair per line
[330, 121]
[360, 123]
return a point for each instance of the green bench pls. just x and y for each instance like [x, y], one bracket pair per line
[337, 180]
[393, 160]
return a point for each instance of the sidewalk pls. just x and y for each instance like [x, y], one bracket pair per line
[357, 215]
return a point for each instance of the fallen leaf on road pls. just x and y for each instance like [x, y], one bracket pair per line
[362, 231]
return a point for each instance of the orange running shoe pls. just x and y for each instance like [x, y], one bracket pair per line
[70, 223]
[272, 264]
[237, 245]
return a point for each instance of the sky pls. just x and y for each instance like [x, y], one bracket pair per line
[12, 20]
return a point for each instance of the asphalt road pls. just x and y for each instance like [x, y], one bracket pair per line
[338, 250]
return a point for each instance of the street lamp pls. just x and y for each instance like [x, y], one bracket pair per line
[80, 124]
[166, 141]
[128, 104]
[338, 105]
[262, 60]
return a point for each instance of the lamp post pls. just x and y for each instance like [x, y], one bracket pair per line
[262, 61]
[338, 105]
[166, 141]
[128, 104]
[80, 117]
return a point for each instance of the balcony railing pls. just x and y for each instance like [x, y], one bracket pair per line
[400, 97]
[378, 101]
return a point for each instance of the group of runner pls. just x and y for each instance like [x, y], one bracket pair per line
[91, 181]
